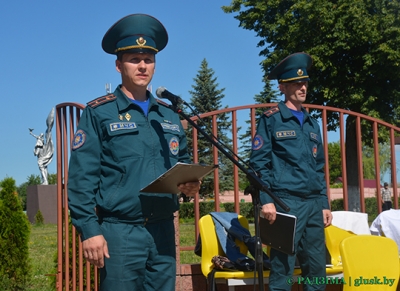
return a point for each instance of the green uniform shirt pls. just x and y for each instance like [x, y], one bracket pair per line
[289, 157]
[117, 151]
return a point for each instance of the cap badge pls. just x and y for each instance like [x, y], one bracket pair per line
[300, 72]
[141, 41]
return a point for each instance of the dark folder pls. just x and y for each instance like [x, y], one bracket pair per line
[178, 174]
[279, 235]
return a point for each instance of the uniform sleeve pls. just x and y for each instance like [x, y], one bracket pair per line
[260, 157]
[84, 176]
[320, 164]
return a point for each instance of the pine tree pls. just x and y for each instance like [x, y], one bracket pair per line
[268, 95]
[206, 97]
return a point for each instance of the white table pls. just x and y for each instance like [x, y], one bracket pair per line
[387, 224]
[356, 222]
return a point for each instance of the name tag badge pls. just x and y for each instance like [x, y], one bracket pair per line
[285, 133]
[122, 126]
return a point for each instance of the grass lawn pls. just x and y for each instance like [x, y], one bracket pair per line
[42, 250]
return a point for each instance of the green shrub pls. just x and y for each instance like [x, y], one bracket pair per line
[39, 219]
[14, 240]
[337, 205]
[371, 208]
[246, 209]
[186, 211]
[206, 207]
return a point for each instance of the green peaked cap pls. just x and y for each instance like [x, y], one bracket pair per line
[135, 33]
[293, 68]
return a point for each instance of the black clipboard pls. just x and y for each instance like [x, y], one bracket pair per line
[279, 235]
[178, 174]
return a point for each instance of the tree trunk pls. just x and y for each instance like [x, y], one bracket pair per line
[353, 186]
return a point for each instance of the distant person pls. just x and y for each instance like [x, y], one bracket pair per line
[386, 197]
[124, 141]
[288, 154]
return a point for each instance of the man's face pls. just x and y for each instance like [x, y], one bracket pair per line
[294, 92]
[137, 69]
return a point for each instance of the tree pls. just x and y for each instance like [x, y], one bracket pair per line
[369, 161]
[268, 95]
[14, 239]
[354, 45]
[206, 97]
[335, 161]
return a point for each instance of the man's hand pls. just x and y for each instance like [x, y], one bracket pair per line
[190, 188]
[269, 212]
[95, 249]
[327, 217]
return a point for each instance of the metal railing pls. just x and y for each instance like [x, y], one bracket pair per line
[74, 274]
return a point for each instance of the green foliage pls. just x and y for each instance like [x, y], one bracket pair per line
[186, 211]
[39, 219]
[246, 209]
[336, 185]
[31, 180]
[335, 161]
[15, 266]
[206, 97]
[266, 96]
[337, 205]
[354, 45]
[369, 160]
[371, 208]
[356, 60]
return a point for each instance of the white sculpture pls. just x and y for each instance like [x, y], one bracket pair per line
[44, 149]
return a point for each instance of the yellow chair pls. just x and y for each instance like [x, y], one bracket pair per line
[333, 237]
[210, 247]
[367, 259]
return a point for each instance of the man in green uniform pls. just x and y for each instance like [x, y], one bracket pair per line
[287, 153]
[124, 141]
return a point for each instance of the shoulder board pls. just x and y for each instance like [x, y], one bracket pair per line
[271, 111]
[101, 100]
[162, 103]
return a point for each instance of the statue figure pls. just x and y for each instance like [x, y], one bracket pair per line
[44, 149]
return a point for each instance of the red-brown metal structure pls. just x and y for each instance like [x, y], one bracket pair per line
[73, 274]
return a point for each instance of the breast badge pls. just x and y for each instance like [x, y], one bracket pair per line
[174, 146]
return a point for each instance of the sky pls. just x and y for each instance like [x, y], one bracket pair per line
[51, 53]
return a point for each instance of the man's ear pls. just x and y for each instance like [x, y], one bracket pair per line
[118, 65]
[282, 88]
